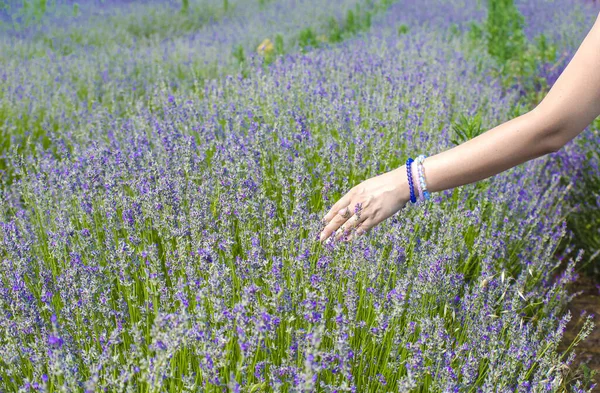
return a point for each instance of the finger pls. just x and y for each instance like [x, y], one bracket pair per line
[345, 212]
[362, 228]
[333, 225]
[340, 204]
[352, 223]
[357, 233]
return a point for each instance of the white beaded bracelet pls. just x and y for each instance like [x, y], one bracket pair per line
[421, 178]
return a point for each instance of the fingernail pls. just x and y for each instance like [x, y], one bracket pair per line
[321, 236]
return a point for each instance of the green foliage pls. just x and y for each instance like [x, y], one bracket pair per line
[402, 29]
[517, 60]
[466, 127]
[32, 11]
[358, 21]
[520, 108]
[351, 22]
[270, 50]
[585, 220]
[453, 30]
[588, 374]
[525, 70]
[154, 24]
[279, 44]
[355, 21]
[35, 8]
[335, 32]
[505, 37]
[307, 38]
[382, 5]
[238, 53]
[476, 32]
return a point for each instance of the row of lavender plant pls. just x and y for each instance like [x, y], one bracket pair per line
[557, 27]
[581, 166]
[212, 27]
[172, 247]
[111, 68]
[579, 163]
[114, 65]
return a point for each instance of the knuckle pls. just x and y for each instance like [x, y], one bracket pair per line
[339, 220]
[333, 226]
[367, 201]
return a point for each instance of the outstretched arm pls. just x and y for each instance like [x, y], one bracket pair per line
[571, 105]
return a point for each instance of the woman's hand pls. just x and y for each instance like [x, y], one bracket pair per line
[367, 204]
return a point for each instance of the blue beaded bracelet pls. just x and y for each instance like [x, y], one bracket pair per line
[413, 199]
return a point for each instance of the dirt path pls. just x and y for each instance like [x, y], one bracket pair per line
[588, 351]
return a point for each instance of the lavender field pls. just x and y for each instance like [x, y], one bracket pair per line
[164, 170]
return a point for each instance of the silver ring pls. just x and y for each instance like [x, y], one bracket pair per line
[347, 214]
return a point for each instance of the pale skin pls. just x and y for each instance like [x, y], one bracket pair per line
[570, 106]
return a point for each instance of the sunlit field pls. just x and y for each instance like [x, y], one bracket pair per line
[165, 166]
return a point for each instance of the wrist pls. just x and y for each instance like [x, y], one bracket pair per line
[401, 183]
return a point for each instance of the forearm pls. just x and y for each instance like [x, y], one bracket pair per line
[503, 147]
[571, 105]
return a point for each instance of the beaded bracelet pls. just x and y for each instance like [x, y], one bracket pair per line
[421, 172]
[415, 175]
[409, 161]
